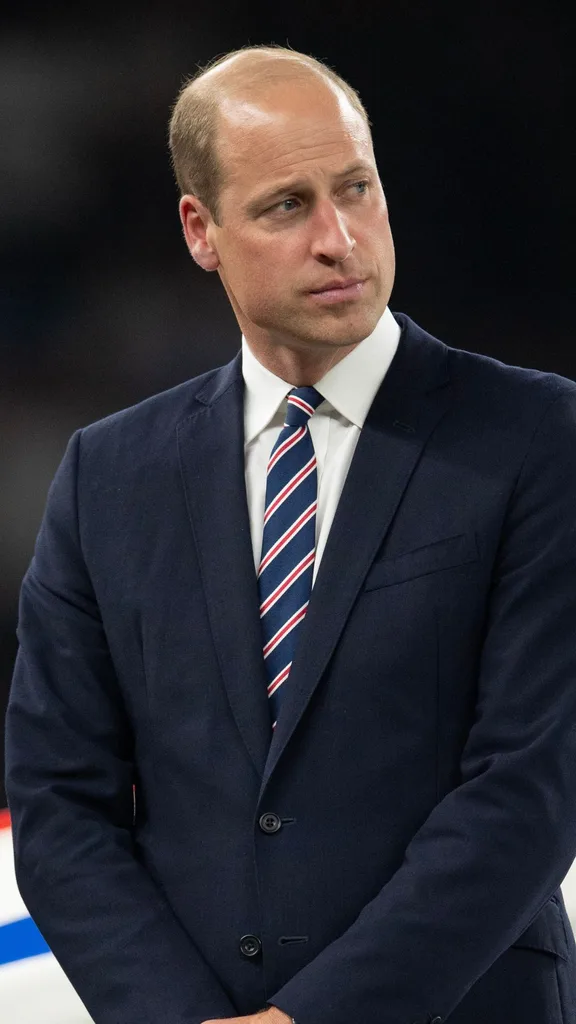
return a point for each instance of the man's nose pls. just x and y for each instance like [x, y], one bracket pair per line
[331, 238]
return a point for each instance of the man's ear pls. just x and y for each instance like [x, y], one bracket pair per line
[196, 219]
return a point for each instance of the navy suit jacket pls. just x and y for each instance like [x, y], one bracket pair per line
[394, 853]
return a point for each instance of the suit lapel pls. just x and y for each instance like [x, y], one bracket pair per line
[409, 404]
[411, 401]
[211, 447]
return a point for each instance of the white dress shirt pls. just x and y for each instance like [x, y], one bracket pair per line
[348, 388]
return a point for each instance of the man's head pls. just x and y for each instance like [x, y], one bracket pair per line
[280, 193]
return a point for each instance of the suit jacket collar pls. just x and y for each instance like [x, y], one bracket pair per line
[410, 402]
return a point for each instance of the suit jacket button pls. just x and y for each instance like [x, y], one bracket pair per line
[436, 1020]
[270, 823]
[250, 945]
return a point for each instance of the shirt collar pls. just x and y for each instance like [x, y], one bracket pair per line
[349, 386]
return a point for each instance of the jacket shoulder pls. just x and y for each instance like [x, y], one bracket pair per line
[160, 413]
[498, 380]
[490, 384]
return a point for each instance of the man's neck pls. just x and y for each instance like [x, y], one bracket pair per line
[296, 366]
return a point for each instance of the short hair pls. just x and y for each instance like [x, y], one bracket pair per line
[193, 122]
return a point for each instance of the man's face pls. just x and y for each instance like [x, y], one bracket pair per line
[301, 189]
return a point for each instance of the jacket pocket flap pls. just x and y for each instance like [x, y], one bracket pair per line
[546, 932]
[442, 554]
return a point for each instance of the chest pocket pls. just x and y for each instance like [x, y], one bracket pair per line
[547, 933]
[446, 553]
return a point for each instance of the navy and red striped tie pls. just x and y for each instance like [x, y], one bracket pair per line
[289, 541]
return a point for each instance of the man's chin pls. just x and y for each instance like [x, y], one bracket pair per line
[331, 327]
[341, 327]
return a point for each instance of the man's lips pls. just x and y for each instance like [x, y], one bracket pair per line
[337, 283]
[339, 292]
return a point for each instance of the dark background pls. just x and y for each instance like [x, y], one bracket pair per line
[100, 304]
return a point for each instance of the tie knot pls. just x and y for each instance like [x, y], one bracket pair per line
[302, 402]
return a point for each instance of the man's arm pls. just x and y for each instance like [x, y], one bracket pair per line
[69, 782]
[495, 849]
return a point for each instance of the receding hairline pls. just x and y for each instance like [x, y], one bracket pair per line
[238, 75]
[244, 71]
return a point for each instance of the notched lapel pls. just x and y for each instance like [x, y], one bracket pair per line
[211, 448]
[413, 398]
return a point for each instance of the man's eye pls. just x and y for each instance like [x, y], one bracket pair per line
[282, 205]
[363, 185]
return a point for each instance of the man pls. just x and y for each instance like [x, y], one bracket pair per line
[318, 607]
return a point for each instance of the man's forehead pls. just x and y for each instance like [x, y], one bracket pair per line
[281, 129]
[293, 156]
[303, 99]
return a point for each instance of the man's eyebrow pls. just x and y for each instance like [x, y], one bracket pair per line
[294, 184]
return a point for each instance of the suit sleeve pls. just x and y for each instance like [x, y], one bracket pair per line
[495, 849]
[70, 771]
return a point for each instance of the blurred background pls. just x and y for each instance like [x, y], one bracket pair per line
[100, 304]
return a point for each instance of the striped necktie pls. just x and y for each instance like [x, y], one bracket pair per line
[289, 541]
